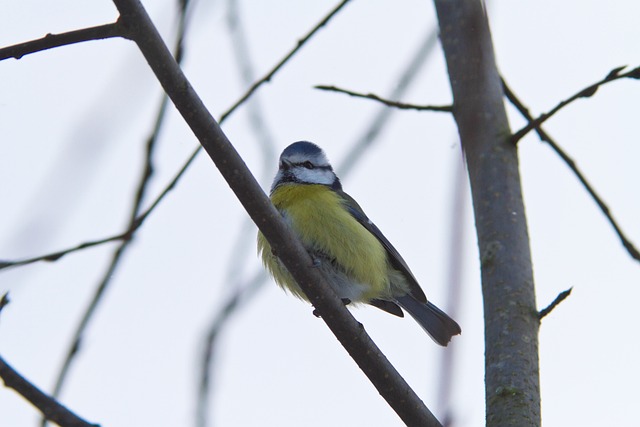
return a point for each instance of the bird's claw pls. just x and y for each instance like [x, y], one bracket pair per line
[345, 301]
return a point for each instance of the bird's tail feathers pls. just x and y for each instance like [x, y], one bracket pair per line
[438, 325]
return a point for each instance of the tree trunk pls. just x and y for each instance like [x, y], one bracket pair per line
[511, 321]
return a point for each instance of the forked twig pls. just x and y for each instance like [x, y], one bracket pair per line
[584, 93]
[628, 245]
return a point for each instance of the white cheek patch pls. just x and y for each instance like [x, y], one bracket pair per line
[305, 176]
[314, 176]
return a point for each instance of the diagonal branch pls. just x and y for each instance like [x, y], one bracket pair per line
[544, 136]
[284, 60]
[240, 297]
[248, 290]
[54, 256]
[134, 223]
[244, 292]
[51, 409]
[387, 102]
[383, 115]
[587, 92]
[126, 235]
[50, 41]
[232, 167]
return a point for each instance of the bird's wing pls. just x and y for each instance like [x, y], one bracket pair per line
[396, 260]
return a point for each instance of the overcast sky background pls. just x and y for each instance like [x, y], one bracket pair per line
[74, 123]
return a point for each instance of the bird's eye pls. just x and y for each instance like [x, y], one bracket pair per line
[308, 165]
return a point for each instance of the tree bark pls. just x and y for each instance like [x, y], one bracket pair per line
[511, 320]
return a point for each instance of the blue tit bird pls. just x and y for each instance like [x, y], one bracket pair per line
[357, 261]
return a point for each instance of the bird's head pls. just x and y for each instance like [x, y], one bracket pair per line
[305, 163]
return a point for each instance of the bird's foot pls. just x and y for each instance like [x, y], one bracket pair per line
[345, 301]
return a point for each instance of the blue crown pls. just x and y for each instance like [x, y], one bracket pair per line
[304, 148]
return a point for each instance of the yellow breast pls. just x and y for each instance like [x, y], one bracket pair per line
[317, 215]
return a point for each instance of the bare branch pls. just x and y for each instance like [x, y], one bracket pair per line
[382, 116]
[126, 235]
[544, 136]
[54, 256]
[50, 41]
[295, 258]
[138, 222]
[284, 60]
[587, 92]
[246, 235]
[76, 342]
[242, 295]
[50, 408]
[88, 314]
[255, 112]
[561, 297]
[134, 222]
[395, 104]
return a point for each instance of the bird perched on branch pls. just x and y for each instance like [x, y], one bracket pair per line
[355, 258]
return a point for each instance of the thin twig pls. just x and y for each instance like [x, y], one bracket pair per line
[88, 314]
[134, 223]
[561, 297]
[584, 93]
[54, 256]
[50, 41]
[51, 409]
[395, 104]
[125, 235]
[284, 60]
[246, 235]
[379, 120]
[241, 54]
[240, 297]
[628, 245]
[104, 283]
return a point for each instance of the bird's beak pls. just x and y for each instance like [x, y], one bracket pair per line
[285, 165]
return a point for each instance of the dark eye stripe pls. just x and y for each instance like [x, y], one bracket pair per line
[309, 165]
